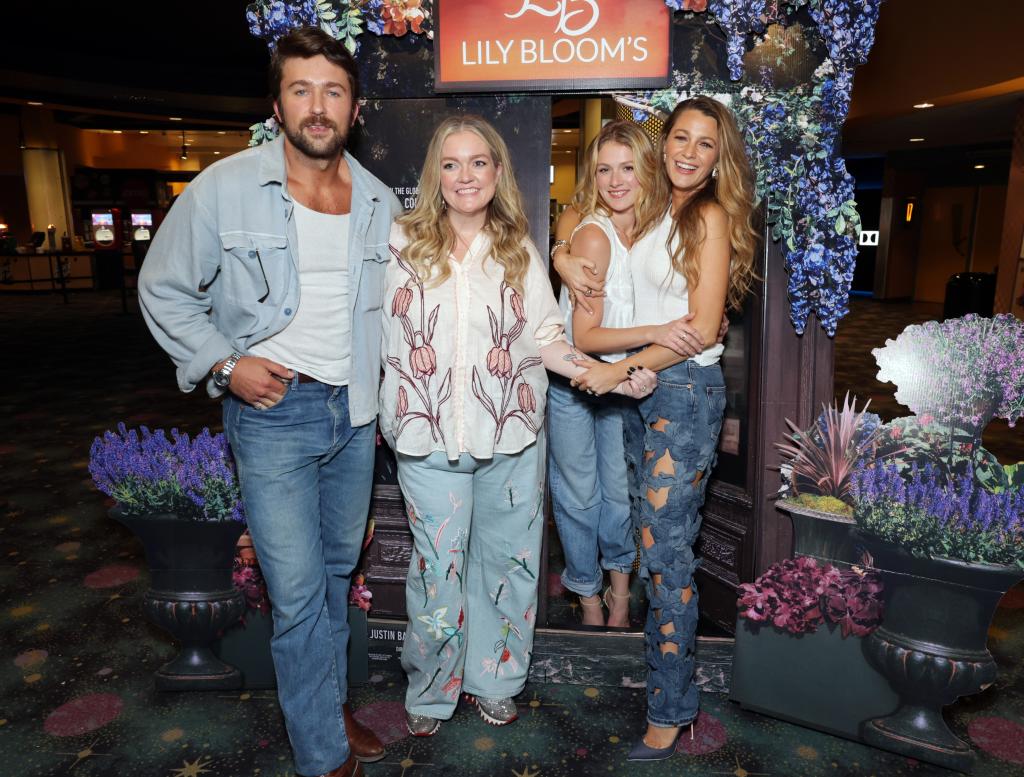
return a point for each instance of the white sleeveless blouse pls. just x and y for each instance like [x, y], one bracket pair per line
[618, 287]
[659, 292]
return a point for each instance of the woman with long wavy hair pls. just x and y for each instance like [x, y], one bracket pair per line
[699, 259]
[470, 328]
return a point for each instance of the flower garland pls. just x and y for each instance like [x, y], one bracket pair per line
[792, 135]
[792, 138]
[341, 19]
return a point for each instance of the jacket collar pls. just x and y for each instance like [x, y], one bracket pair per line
[272, 170]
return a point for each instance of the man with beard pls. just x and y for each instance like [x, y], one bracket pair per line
[265, 281]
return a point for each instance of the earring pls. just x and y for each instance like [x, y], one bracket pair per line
[714, 172]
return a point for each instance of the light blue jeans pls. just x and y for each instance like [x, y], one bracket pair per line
[471, 592]
[306, 477]
[589, 490]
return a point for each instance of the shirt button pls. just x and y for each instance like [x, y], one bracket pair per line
[287, 311]
[252, 254]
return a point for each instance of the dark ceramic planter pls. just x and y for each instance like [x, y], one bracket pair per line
[820, 535]
[818, 680]
[191, 594]
[932, 646]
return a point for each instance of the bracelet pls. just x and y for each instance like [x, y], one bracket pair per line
[556, 245]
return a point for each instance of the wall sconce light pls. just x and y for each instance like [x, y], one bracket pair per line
[909, 206]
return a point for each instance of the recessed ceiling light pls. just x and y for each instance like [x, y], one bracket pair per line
[216, 153]
[33, 102]
[924, 105]
[174, 118]
[116, 132]
[916, 140]
[979, 167]
[143, 132]
[221, 132]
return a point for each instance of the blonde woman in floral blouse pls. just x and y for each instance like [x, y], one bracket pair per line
[470, 328]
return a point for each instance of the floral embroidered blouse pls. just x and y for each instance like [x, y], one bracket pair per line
[462, 366]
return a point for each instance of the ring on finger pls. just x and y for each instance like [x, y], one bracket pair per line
[588, 291]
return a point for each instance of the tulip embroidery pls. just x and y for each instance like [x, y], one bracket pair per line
[422, 358]
[499, 365]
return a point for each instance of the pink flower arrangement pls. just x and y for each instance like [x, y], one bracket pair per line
[359, 595]
[796, 595]
[962, 371]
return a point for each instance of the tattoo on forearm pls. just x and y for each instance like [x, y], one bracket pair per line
[573, 356]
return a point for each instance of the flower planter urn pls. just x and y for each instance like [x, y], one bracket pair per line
[932, 647]
[191, 594]
[821, 535]
[819, 680]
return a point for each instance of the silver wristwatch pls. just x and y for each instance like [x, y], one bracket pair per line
[222, 377]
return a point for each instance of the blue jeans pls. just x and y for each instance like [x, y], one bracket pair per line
[671, 450]
[306, 476]
[589, 491]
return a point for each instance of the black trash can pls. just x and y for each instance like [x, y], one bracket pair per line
[969, 292]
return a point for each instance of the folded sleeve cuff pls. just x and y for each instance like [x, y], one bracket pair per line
[212, 351]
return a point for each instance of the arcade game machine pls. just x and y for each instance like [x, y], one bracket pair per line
[107, 236]
[142, 226]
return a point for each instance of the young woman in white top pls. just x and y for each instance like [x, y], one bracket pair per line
[470, 328]
[698, 259]
[621, 197]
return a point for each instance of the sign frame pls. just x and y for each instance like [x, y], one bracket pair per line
[556, 84]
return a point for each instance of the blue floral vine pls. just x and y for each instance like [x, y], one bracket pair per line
[792, 137]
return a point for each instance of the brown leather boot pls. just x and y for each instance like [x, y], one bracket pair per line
[351, 768]
[365, 745]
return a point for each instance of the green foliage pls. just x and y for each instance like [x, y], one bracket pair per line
[920, 534]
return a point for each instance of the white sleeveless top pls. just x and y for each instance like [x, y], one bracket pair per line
[659, 293]
[618, 287]
[317, 339]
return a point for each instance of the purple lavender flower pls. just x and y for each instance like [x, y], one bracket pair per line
[147, 474]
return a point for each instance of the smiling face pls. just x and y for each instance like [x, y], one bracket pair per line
[315, 109]
[615, 177]
[692, 147]
[469, 174]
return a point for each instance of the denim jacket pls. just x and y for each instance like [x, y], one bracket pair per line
[222, 274]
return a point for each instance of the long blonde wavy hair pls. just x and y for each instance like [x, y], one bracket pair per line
[653, 191]
[732, 189]
[430, 234]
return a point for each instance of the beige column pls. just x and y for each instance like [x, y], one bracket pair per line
[1010, 282]
[46, 182]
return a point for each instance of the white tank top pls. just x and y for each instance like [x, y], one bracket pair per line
[317, 341]
[618, 286]
[659, 292]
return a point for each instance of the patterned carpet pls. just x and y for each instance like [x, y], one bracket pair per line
[76, 655]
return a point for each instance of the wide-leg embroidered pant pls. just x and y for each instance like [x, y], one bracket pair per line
[670, 451]
[471, 593]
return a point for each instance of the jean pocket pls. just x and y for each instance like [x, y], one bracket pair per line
[717, 402]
